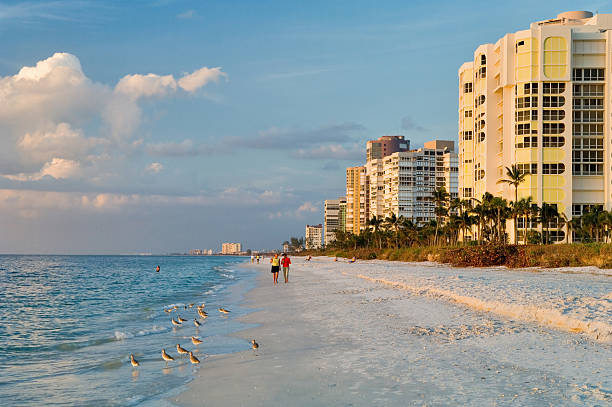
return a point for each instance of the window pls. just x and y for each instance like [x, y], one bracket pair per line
[550, 115]
[553, 128]
[555, 168]
[523, 128]
[481, 137]
[527, 168]
[588, 90]
[523, 102]
[483, 59]
[526, 142]
[588, 74]
[480, 100]
[588, 104]
[467, 87]
[581, 209]
[581, 116]
[553, 141]
[587, 156]
[553, 101]
[553, 88]
[481, 73]
[555, 57]
[587, 169]
[530, 88]
[526, 115]
[587, 130]
[467, 113]
[467, 192]
[480, 125]
[467, 135]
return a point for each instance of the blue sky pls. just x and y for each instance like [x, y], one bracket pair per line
[113, 161]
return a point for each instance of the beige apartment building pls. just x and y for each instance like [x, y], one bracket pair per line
[357, 209]
[332, 219]
[403, 183]
[314, 236]
[231, 248]
[537, 98]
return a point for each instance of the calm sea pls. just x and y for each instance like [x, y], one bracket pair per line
[69, 323]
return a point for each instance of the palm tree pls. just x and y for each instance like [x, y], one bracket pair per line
[393, 222]
[375, 222]
[440, 197]
[548, 214]
[515, 178]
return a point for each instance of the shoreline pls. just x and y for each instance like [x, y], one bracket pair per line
[332, 338]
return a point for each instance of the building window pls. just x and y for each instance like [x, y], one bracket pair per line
[526, 102]
[523, 128]
[481, 137]
[588, 90]
[467, 87]
[467, 113]
[553, 101]
[550, 115]
[553, 88]
[467, 135]
[527, 142]
[588, 103]
[553, 128]
[554, 168]
[553, 141]
[480, 100]
[588, 74]
[530, 88]
[467, 192]
[587, 169]
[587, 130]
[581, 116]
[555, 57]
[526, 115]
[483, 59]
[528, 168]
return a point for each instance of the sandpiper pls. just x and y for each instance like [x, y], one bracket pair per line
[193, 359]
[195, 340]
[166, 357]
[180, 350]
[196, 323]
[255, 344]
[191, 305]
[181, 320]
[203, 314]
[134, 361]
[175, 323]
[223, 310]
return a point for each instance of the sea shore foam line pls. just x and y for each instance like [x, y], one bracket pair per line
[598, 331]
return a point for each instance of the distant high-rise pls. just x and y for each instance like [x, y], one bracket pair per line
[384, 146]
[314, 236]
[356, 199]
[332, 219]
[539, 99]
[231, 248]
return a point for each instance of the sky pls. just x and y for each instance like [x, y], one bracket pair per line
[163, 126]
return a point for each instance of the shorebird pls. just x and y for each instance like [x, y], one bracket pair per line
[175, 323]
[223, 310]
[193, 359]
[196, 323]
[195, 340]
[166, 357]
[180, 350]
[181, 320]
[203, 314]
[191, 305]
[168, 310]
[255, 344]
[134, 361]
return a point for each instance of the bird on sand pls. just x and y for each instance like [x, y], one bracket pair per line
[195, 340]
[180, 350]
[166, 357]
[133, 361]
[196, 323]
[193, 359]
[175, 323]
[223, 310]
[181, 320]
[255, 344]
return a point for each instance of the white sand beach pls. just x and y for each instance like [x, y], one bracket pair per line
[397, 334]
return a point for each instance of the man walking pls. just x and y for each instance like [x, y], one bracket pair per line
[275, 261]
[285, 262]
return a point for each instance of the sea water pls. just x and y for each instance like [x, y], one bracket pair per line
[68, 325]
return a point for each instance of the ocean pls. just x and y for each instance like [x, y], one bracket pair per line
[69, 324]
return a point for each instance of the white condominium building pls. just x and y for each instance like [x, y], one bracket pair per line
[409, 179]
[537, 98]
[231, 248]
[333, 218]
[314, 236]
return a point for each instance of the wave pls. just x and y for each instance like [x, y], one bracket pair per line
[596, 330]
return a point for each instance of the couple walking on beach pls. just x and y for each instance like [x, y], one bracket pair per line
[277, 263]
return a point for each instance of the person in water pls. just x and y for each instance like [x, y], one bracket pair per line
[157, 269]
[275, 267]
[285, 262]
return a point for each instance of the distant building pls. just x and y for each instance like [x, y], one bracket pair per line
[231, 248]
[384, 146]
[314, 236]
[342, 215]
[356, 199]
[408, 179]
[200, 252]
[286, 247]
[332, 219]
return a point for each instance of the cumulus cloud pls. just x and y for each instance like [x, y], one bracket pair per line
[155, 168]
[137, 86]
[307, 207]
[58, 168]
[195, 80]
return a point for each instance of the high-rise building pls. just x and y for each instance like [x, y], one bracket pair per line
[537, 99]
[231, 248]
[356, 199]
[411, 177]
[384, 146]
[342, 215]
[332, 219]
[314, 236]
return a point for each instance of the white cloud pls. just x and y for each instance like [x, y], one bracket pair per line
[155, 168]
[200, 77]
[307, 207]
[58, 168]
[186, 15]
[137, 86]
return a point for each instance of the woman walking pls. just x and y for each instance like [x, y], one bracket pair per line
[275, 267]
[285, 262]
